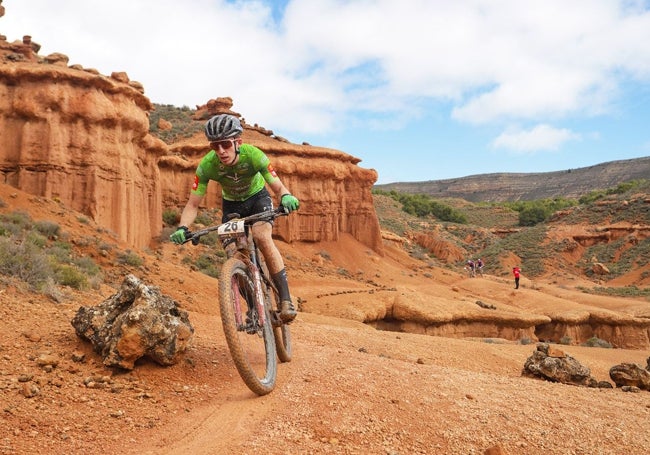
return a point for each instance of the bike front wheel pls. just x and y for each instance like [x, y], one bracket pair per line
[249, 335]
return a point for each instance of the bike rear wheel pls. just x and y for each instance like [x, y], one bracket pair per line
[251, 341]
[281, 331]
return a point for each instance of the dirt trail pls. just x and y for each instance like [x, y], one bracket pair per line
[350, 389]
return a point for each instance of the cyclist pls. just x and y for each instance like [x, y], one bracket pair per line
[470, 268]
[242, 170]
[479, 266]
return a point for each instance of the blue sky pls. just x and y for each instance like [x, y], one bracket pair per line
[417, 89]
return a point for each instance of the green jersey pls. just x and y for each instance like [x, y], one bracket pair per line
[238, 182]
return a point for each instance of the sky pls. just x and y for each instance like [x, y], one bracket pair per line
[417, 89]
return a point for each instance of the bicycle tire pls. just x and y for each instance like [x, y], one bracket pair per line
[281, 331]
[251, 344]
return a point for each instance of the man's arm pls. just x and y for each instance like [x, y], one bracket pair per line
[191, 210]
[278, 188]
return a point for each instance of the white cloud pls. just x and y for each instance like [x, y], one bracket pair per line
[539, 138]
[487, 61]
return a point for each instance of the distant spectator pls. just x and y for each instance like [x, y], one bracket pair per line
[516, 271]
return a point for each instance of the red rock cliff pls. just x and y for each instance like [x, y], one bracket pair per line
[334, 192]
[75, 135]
[79, 137]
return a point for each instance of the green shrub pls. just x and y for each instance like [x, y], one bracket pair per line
[207, 264]
[129, 258]
[595, 342]
[12, 224]
[25, 262]
[49, 229]
[421, 205]
[170, 217]
[36, 239]
[70, 276]
[566, 340]
[205, 218]
[87, 265]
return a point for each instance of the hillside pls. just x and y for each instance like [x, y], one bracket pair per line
[412, 393]
[499, 187]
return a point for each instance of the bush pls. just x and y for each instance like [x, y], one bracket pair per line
[170, 217]
[25, 262]
[129, 258]
[207, 264]
[49, 229]
[595, 342]
[421, 205]
[68, 275]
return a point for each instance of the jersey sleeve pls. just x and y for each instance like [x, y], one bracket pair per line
[200, 183]
[263, 165]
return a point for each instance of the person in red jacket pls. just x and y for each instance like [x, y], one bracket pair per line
[516, 271]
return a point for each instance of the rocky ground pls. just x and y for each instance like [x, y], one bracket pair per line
[350, 389]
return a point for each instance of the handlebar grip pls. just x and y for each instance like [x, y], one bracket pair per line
[195, 240]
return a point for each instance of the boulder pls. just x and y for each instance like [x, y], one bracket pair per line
[631, 374]
[135, 322]
[554, 365]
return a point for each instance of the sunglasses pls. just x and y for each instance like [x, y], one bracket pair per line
[225, 144]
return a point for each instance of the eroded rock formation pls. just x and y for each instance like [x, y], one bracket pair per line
[334, 192]
[74, 135]
[81, 138]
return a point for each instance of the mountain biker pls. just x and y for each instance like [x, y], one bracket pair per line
[470, 268]
[242, 170]
[479, 266]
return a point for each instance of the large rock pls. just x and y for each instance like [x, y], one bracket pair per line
[136, 322]
[631, 374]
[555, 365]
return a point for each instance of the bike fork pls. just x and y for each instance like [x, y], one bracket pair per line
[259, 296]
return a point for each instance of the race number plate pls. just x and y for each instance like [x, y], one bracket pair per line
[231, 229]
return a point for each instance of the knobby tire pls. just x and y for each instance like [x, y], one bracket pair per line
[254, 354]
[281, 331]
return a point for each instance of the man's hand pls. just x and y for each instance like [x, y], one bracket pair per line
[180, 235]
[289, 202]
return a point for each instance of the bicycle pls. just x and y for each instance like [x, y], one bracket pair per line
[252, 326]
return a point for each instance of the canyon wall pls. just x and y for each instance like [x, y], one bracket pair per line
[79, 137]
[76, 136]
[334, 192]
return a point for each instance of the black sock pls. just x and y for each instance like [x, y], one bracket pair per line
[280, 280]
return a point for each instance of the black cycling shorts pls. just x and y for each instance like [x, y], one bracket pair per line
[257, 203]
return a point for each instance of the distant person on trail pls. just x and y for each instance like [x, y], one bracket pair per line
[470, 267]
[479, 266]
[243, 171]
[516, 271]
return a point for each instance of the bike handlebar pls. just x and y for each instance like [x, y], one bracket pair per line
[195, 236]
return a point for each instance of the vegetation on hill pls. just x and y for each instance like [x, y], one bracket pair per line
[182, 122]
[421, 206]
[497, 231]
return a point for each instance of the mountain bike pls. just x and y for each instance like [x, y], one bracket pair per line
[250, 303]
